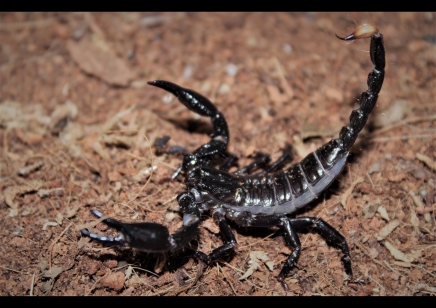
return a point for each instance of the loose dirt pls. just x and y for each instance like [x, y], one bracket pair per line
[78, 124]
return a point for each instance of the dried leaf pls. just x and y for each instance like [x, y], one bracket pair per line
[55, 271]
[100, 63]
[116, 118]
[47, 286]
[11, 192]
[42, 265]
[128, 272]
[255, 258]
[369, 210]
[396, 112]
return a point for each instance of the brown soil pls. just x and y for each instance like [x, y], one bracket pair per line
[78, 125]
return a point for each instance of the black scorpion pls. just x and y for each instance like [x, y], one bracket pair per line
[264, 199]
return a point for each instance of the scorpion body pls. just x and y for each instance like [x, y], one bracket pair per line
[253, 200]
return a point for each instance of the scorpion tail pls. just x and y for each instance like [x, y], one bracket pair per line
[368, 99]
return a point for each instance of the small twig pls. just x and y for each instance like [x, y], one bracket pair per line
[368, 255]
[405, 137]
[422, 268]
[261, 240]
[10, 269]
[347, 194]
[406, 121]
[56, 240]
[227, 279]
[94, 284]
[234, 268]
[35, 24]
[32, 282]
[284, 83]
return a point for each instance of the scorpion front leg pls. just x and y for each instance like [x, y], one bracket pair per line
[152, 237]
[199, 104]
[229, 240]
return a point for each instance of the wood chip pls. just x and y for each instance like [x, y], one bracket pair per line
[386, 230]
[398, 255]
[25, 171]
[426, 160]
[383, 213]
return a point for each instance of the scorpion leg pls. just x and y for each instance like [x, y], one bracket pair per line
[247, 220]
[201, 105]
[229, 241]
[264, 159]
[152, 237]
[331, 236]
[231, 160]
[260, 160]
[287, 155]
[293, 241]
[291, 226]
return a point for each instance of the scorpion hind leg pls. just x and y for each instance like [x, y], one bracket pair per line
[331, 236]
[287, 156]
[293, 241]
[152, 237]
[262, 161]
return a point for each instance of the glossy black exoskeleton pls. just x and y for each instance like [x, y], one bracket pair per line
[264, 199]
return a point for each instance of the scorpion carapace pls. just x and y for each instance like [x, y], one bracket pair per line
[264, 199]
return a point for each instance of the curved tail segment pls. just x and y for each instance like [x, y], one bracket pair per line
[368, 99]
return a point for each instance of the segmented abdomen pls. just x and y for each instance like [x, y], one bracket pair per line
[286, 191]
